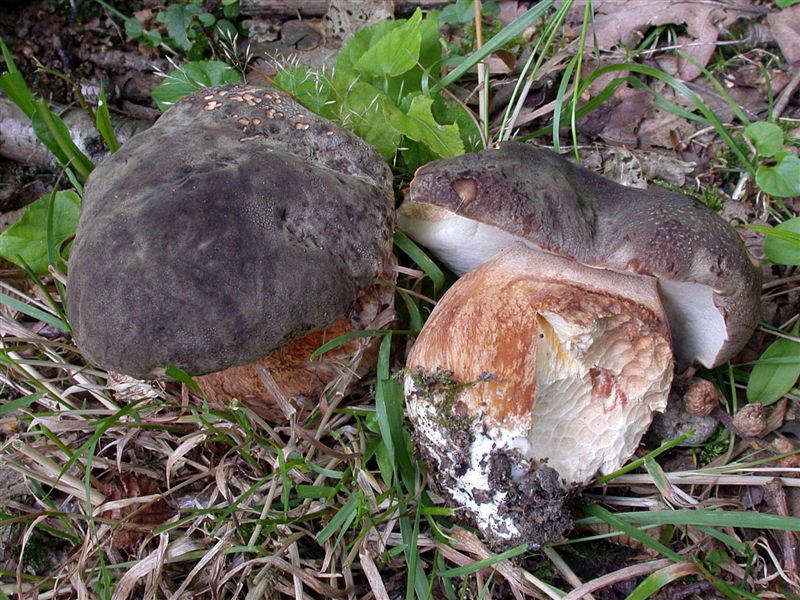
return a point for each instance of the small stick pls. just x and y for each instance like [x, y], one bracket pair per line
[775, 497]
[617, 576]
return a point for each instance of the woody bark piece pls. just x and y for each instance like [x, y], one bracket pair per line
[306, 8]
[19, 142]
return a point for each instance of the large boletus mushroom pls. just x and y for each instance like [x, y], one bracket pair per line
[467, 209]
[239, 222]
[542, 366]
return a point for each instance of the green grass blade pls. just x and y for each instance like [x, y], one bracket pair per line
[418, 255]
[58, 140]
[707, 518]
[681, 88]
[344, 515]
[13, 84]
[614, 521]
[20, 403]
[661, 578]
[179, 375]
[508, 33]
[639, 462]
[33, 312]
[486, 562]
[354, 335]
[103, 123]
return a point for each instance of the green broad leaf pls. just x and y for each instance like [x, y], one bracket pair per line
[25, 242]
[355, 47]
[420, 126]
[310, 87]
[782, 179]
[766, 137]
[450, 112]
[768, 381]
[191, 77]
[360, 108]
[230, 8]
[395, 52]
[784, 249]
[415, 155]
[785, 3]
[178, 20]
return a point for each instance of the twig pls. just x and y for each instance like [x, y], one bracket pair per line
[564, 569]
[616, 577]
[775, 497]
[786, 94]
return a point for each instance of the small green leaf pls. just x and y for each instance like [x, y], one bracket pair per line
[781, 180]
[396, 52]
[178, 20]
[769, 382]
[785, 3]
[191, 77]
[420, 126]
[26, 240]
[766, 137]
[225, 29]
[784, 250]
[207, 19]
[133, 29]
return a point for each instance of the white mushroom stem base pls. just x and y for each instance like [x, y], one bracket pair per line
[532, 375]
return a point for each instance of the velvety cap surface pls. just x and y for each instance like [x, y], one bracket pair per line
[238, 222]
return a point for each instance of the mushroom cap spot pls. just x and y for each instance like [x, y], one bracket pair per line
[534, 195]
[197, 250]
[549, 363]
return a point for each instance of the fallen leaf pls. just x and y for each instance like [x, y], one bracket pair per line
[132, 520]
[616, 122]
[785, 28]
[624, 23]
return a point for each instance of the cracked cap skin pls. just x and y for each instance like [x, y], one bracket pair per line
[239, 222]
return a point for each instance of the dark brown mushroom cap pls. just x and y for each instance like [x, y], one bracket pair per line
[238, 222]
[551, 204]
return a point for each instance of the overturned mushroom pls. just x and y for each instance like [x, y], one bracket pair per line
[469, 208]
[533, 360]
[543, 366]
[236, 224]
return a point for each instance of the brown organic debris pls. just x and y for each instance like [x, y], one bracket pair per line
[751, 420]
[132, 521]
[701, 397]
